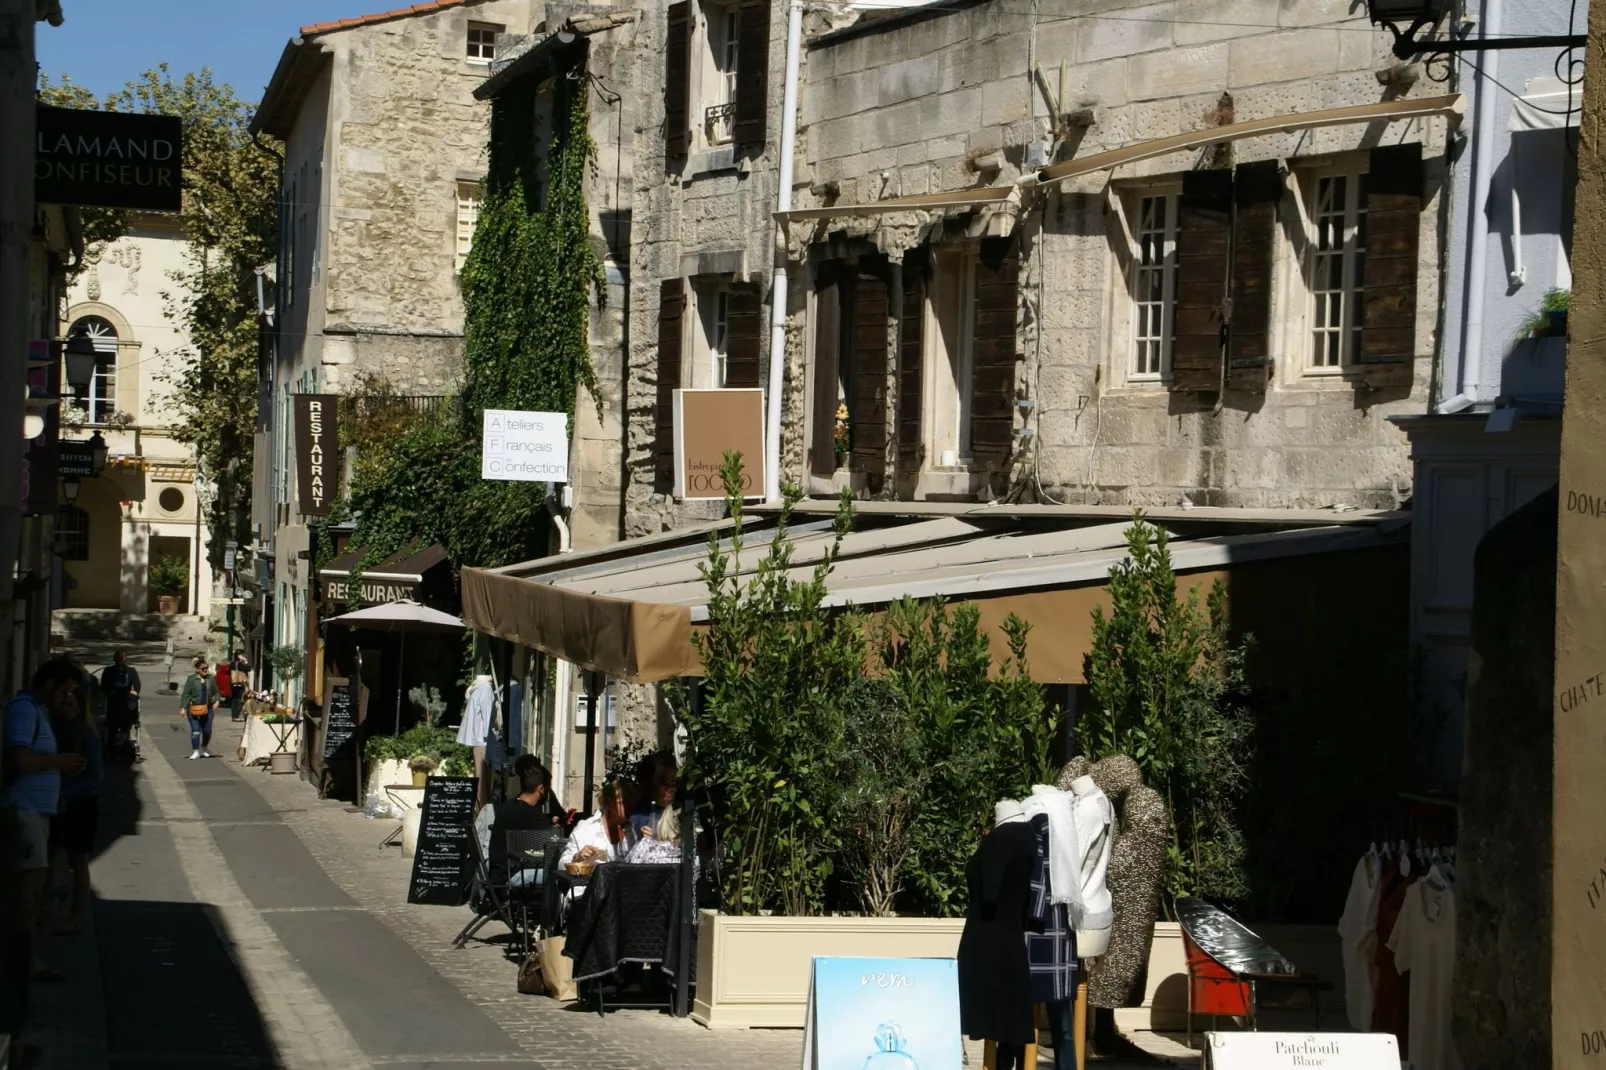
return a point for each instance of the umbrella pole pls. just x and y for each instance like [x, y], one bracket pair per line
[401, 661]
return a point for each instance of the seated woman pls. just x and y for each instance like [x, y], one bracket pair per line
[658, 777]
[605, 836]
[659, 844]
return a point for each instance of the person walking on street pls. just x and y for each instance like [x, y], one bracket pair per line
[240, 678]
[77, 817]
[120, 683]
[196, 701]
[223, 678]
[33, 770]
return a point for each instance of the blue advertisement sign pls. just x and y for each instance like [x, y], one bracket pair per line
[883, 1014]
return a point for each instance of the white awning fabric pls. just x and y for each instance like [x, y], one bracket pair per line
[1546, 104]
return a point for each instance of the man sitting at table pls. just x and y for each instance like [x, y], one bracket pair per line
[605, 836]
[533, 808]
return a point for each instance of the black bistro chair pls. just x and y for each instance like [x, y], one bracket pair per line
[497, 899]
[628, 915]
[532, 850]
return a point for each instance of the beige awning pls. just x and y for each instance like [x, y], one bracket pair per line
[1450, 106]
[631, 609]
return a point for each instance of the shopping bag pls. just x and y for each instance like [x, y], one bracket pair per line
[557, 970]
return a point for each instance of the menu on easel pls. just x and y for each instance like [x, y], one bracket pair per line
[340, 717]
[443, 861]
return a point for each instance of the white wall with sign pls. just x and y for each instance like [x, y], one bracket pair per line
[531, 447]
[1286, 1051]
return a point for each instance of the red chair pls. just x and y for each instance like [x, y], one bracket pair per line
[1227, 962]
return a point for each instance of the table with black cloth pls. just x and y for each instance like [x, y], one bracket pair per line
[627, 914]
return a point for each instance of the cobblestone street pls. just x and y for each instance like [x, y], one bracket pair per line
[242, 922]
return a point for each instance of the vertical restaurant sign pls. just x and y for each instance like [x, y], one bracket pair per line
[106, 159]
[317, 452]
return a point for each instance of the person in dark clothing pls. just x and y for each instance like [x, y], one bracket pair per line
[73, 828]
[657, 778]
[120, 684]
[532, 808]
[995, 992]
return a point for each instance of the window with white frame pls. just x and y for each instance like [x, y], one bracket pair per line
[468, 214]
[712, 346]
[1153, 284]
[950, 356]
[100, 399]
[482, 41]
[1336, 269]
[717, 96]
[719, 336]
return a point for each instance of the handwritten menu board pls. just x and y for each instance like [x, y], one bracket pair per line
[340, 718]
[443, 861]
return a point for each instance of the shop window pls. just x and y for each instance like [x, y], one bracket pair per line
[100, 399]
[482, 41]
[72, 533]
[1336, 268]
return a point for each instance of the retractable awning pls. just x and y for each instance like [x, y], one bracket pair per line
[1451, 106]
[630, 610]
[1547, 103]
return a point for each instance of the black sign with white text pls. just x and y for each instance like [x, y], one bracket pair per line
[106, 159]
[443, 862]
[317, 452]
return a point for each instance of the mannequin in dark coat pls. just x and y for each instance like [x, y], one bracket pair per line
[995, 995]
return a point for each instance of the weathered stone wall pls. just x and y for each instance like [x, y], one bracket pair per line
[936, 102]
[406, 129]
[412, 362]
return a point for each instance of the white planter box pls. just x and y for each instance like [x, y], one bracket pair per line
[754, 971]
[387, 772]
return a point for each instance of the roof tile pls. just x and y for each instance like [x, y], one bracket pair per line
[382, 16]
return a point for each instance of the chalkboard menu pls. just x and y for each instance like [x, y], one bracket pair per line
[340, 718]
[444, 859]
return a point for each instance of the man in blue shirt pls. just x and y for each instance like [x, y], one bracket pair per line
[34, 771]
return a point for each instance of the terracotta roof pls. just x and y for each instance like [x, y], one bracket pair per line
[383, 16]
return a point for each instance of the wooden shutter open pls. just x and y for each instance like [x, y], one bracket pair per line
[677, 83]
[671, 314]
[1257, 189]
[827, 348]
[752, 74]
[744, 335]
[992, 394]
[1204, 242]
[869, 404]
[1393, 228]
[911, 360]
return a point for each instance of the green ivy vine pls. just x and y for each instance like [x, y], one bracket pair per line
[527, 286]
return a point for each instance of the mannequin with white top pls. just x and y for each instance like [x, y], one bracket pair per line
[1094, 817]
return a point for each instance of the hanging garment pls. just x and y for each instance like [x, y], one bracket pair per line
[1136, 875]
[995, 992]
[1065, 854]
[477, 710]
[1423, 943]
[1357, 931]
[1095, 818]
[1392, 994]
[1050, 948]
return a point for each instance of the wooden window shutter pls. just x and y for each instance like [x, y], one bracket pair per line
[1204, 241]
[677, 82]
[744, 335]
[992, 388]
[1257, 189]
[911, 360]
[671, 314]
[1392, 234]
[752, 74]
[827, 348]
[869, 405]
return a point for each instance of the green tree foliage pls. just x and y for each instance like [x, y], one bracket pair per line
[1168, 690]
[229, 217]
[527, 287]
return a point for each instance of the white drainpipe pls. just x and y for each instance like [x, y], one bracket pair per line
[1483, 146]
[783, 203]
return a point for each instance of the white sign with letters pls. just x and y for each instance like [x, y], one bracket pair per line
[1288, 1051]
[532, 447]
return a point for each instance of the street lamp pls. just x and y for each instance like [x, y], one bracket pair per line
[1418, 15]
[80, 355]
[97, 452]
[70, 488]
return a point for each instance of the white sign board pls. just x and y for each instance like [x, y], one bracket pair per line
[532, 447]
[606, 719]
[1287, 1051]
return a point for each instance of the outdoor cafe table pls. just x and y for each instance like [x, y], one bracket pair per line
[262, 738]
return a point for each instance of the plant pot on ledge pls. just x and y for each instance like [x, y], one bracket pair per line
[167, 605]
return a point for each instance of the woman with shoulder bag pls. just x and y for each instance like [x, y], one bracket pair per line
[197, 700]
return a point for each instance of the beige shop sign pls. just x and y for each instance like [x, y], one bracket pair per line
[708, 423]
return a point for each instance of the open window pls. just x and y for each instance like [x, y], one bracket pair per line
[99, 400]
[716, 75]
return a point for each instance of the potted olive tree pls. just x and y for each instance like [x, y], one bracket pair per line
[169, 578]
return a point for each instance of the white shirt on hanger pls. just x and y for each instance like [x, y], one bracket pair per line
[477, 713]
[1357, 930]
[1423, 943]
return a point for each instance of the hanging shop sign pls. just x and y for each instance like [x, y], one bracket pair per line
[1286, 1051]
[75, 459]
[107, 159]
[707, 424]
[531, 447]
[883, 1014]
[317, 451]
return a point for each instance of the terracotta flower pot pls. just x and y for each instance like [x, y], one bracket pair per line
[167, 604]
